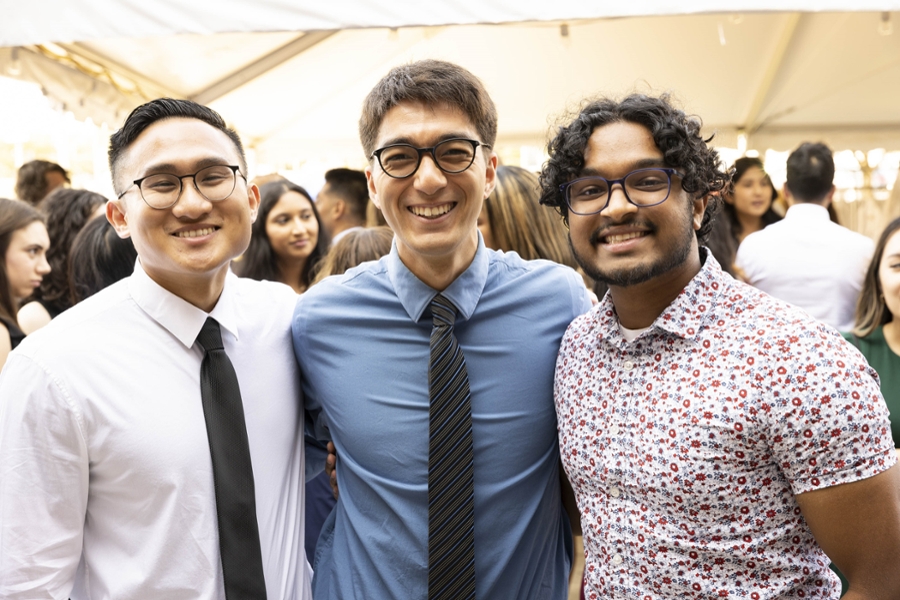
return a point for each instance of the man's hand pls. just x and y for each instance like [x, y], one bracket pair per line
[330, 468]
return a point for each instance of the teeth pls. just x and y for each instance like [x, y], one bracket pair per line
[615, 239]
[195, 233]
[431, 211]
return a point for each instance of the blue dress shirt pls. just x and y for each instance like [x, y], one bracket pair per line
[362, 342]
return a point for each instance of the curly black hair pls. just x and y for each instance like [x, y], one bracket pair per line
[676, 134]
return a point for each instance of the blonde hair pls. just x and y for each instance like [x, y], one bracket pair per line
[520, 224]
[354, 248]
[871, 309]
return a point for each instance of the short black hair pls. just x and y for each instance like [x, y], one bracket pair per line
[350, 186]
[810, 172]
[675, 133]
[31, 180]
[160, 109]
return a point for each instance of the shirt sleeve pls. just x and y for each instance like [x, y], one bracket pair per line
[316, 433]
[43, 484]
[828, 419]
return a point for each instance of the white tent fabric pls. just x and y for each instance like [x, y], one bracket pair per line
[291, 76]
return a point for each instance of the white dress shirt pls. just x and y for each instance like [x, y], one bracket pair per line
[809, 261]
[106, 482]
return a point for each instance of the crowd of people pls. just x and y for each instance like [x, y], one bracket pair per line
[434, 377]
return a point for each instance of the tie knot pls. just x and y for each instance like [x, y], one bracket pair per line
[442, 311]
[210, 336]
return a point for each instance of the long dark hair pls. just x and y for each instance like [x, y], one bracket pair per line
[871, 309]
[741, 166]
[259, 261]
[98, 258]
[67, 212]
[14, 215]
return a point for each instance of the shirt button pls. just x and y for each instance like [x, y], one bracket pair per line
[614, 492]
[613, 430]
[628, 365]
[617, 559]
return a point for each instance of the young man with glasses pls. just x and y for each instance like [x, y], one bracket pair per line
[431, 370]
[720, 442]
[139, 459]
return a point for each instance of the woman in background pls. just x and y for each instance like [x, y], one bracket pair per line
[23, 248]
[877, 330]
[67, 211]
[287, 241]
[355, 248]
[748, 209]
[99, 258]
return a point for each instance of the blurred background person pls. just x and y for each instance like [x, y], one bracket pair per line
[23, 246]
[98, 259]
[748, 209]
[877, 329]
[342, 202]
[353, 249]
[67, 211]
[287, 241]
[37, 178]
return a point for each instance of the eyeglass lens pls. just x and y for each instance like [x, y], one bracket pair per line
[451, 156]
[162, 190]
[644, 187]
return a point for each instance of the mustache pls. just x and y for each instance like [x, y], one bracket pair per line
[603, 230]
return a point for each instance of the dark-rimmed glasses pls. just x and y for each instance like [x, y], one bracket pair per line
[642, 187]
[162, 190]
[451, 156]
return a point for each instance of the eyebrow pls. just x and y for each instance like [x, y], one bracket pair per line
[644, 163]
[169, 168]
[443, 138]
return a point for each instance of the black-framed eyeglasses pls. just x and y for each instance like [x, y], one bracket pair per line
[162, 190]
[451, 156]
[642, 187]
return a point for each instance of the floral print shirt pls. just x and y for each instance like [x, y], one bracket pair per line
[686, 447]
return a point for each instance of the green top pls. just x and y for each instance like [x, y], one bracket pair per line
[887, 364]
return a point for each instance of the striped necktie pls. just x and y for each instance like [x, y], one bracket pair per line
[451, 503]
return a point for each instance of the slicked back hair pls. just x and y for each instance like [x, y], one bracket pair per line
[160, 109]
[433, 83]
[676, 134]
[810, 172]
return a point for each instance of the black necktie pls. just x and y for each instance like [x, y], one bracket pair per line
[232, 470]
[451, 502]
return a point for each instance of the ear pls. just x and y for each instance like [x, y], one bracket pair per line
[490, 181]
[115, 214]
[338, 209]
[373, 192]
[253, 199]
[699, 210]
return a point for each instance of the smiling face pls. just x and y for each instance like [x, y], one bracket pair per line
[433, 214]
[889, 275]
[192, 242]
[624, 245]
[292, 228]
[752, 193]
[26, 259]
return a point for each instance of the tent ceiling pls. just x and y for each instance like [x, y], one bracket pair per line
[780, 77]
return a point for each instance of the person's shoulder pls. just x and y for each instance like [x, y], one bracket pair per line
[855, 240]
[355, 281]
[511, 265]
[254, 291]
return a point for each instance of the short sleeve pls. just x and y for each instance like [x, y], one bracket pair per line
[43, 483]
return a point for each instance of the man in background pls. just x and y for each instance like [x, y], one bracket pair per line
[807, 259]
[342, 202]
[37, 178]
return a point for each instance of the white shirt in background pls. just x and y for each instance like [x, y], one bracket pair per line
[809, 261]
[106, 483]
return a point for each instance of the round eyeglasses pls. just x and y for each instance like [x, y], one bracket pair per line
[642, 187]
[451, 156]
[162, 190]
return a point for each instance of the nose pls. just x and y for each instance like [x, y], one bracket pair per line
[429, 178]
[618, 204]
[191, 203]
[43, 267]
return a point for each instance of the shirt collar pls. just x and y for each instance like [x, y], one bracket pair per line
[464, 292]
[179, 317]
[807, 211]
[685, 316]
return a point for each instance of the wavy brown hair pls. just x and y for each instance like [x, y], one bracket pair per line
[14, 215]
[871, 309]
[354, 248]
